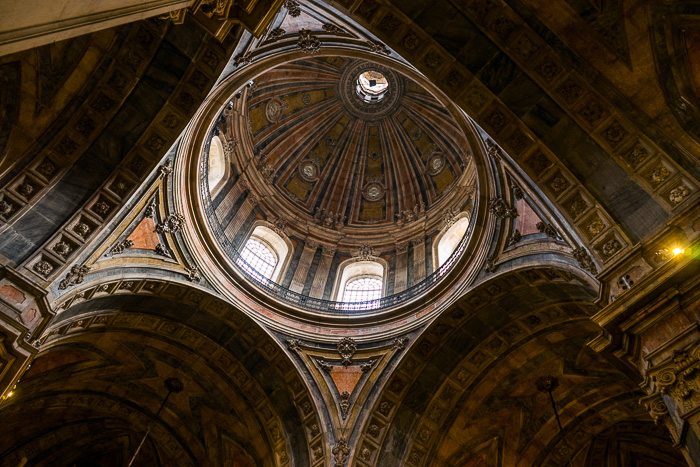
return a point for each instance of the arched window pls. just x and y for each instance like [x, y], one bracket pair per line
[259, 257]
[363, 288]
[360, 281]
[448, 240]
[217, 165]
[264, 253]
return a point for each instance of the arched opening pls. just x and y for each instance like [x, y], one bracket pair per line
[217, 166]
[446, 241]
[360, 281]
[363, 288]
[264, 253]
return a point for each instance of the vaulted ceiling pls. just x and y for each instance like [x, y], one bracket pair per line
[597, 102]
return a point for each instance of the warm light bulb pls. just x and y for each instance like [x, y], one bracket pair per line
[678, 251]
[9, 394]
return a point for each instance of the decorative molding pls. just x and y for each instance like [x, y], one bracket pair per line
[242, 59]
[293, 8]
[340, 453]
[449, 217]
[172, 224]
[333, 29]
[547, 229]
[120, 247]
[329, 219]
[279, 226]
[165, 169]
[193, 274]
[294, 345]
[308, 43]
[515, 237]
[365, 253]
[377, 47]
[75, 276]
[399, 343]
[410, 215]
[584, 260]
[499, 208]
[276, 34]
[347, 348]
[163, 250]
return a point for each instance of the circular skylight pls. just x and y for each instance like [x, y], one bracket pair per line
[372, 86]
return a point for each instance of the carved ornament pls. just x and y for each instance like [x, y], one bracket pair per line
[499, 208]
[329, 219]
[340, 453]
[584, 260]
[410, 215]
[172, 224]
[120, 247]
[307, 43]
[292, 7]
[547, 229]
[346, 349]
[75, 276]
[365, 253]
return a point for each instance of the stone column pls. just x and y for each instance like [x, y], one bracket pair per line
[418, 260]
[324, 267]
[28, 24]
[241, 215]
[229, 200]
[652, 334]
[401, 272]
[302, 270]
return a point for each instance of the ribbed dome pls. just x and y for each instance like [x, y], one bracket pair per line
[354, 143]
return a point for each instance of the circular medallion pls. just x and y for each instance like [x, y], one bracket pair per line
[373, 192]
[436, 162]
[308, 170]
[274, 110]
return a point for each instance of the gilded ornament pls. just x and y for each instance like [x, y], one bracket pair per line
[611, 247]
[595, 226]
[659, 174]
[678, 194]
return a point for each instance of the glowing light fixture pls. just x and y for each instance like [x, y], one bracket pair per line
[678, 251]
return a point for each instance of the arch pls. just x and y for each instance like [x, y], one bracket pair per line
[123, 341]
[217, 168]
[353, 269]
[279, 246]
[447, 240]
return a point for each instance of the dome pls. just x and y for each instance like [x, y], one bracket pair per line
[351, 167]
[354, 143]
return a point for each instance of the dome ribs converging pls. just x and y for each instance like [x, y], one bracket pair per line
[332, 150]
